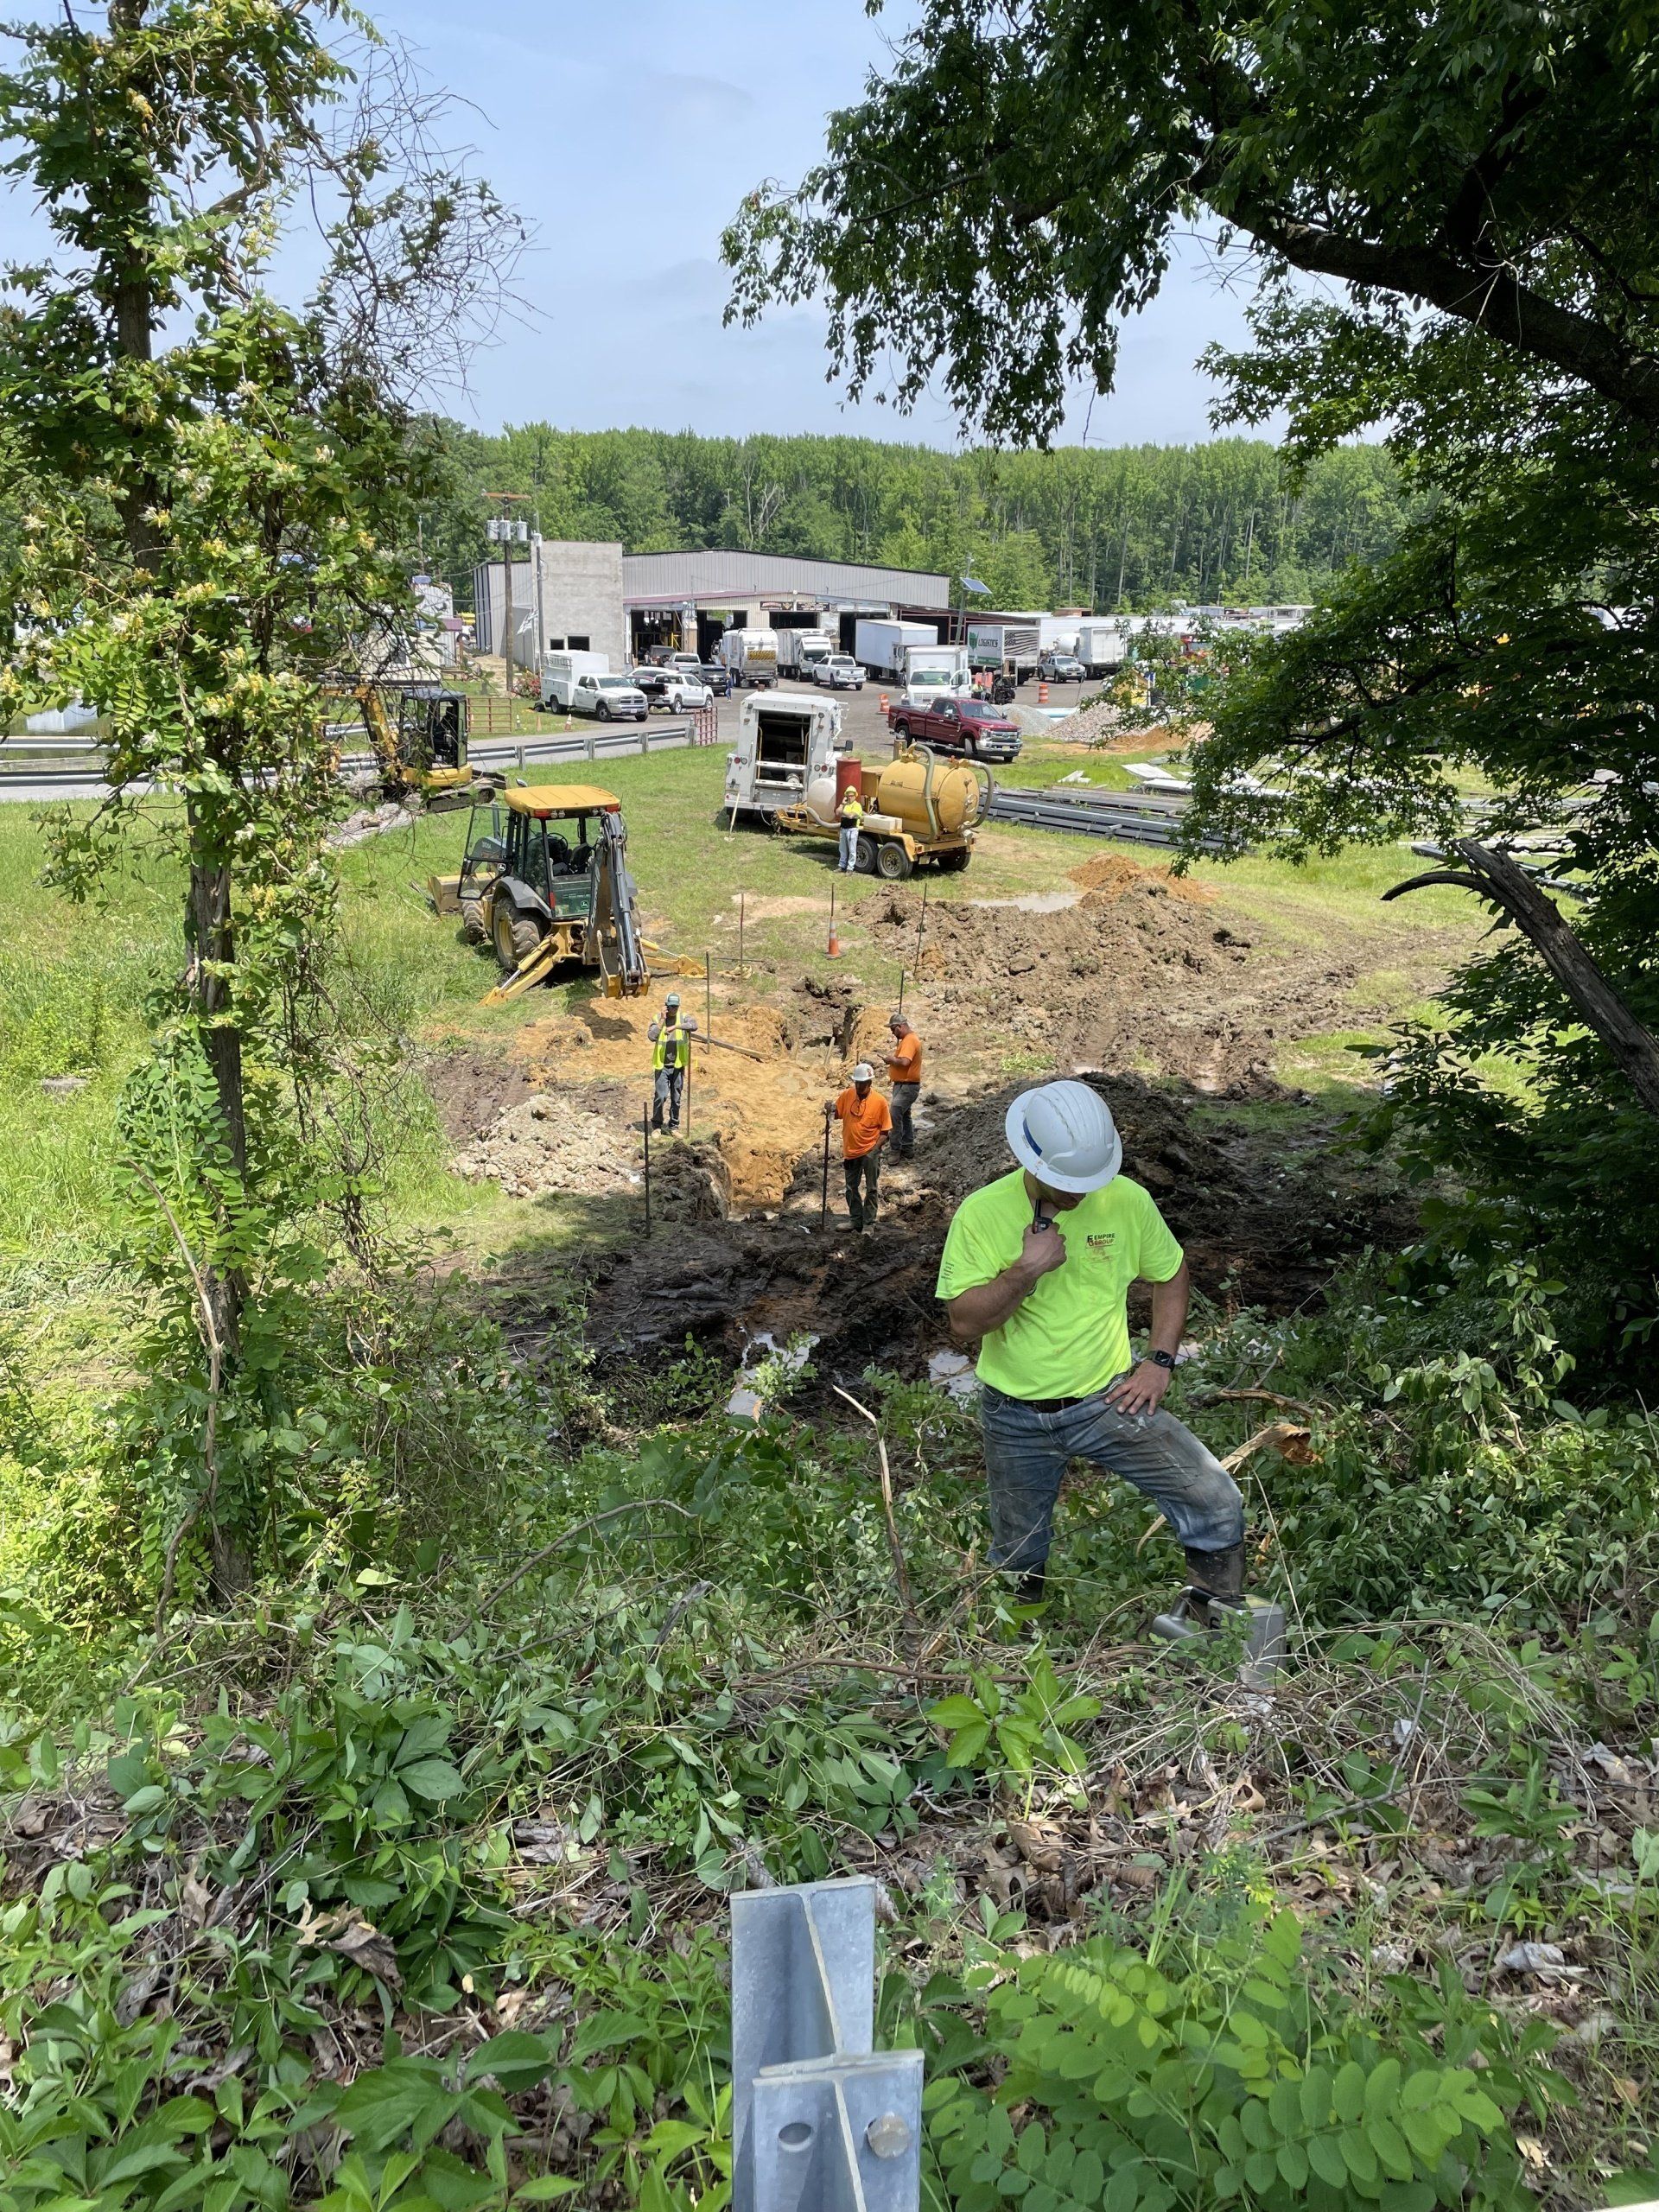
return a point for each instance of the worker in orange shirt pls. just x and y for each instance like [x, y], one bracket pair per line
[905, 1076]
[863, 1112]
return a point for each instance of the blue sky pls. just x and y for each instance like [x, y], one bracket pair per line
[628, 132]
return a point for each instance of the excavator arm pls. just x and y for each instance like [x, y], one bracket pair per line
[613, 921]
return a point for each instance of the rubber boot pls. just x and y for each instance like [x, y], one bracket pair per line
[1216, 1577]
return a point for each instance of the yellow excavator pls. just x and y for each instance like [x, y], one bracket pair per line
[419, 733]
[545, 881]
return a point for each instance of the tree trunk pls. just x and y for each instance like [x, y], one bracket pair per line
[1497, 877]
[207, 899]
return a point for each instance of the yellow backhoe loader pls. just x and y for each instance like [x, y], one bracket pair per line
[545, 880]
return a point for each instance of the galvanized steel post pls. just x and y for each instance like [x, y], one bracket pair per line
[820, 2122]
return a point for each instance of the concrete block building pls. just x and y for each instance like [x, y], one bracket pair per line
[577, 597]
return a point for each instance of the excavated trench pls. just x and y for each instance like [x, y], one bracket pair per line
[1142, 987]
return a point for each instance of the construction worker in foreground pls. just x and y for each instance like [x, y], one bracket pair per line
[1037, 1265]
[671, 1040]
[850, 814]
[905, 1083]
[863, 1112]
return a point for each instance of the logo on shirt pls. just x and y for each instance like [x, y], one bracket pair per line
[1103, 1240]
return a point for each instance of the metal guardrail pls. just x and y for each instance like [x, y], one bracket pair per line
[35, 759]
[1120, 815]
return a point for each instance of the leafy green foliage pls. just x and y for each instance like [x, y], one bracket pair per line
[1131, 526]
[1126, 2087]
[1016, 1731]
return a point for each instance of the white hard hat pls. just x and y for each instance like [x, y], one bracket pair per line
[863, 1072]
[1065, 1135]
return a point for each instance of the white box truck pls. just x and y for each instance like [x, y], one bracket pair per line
[937, 672]
[750, 655]
[881, 646]
[561, 672]
[1103, 647]
[803, 652]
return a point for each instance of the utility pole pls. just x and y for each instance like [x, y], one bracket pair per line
[505, 528]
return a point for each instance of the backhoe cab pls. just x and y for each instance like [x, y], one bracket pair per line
[545, 880]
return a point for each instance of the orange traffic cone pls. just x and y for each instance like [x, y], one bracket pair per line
[1042, 695]
[884, 702]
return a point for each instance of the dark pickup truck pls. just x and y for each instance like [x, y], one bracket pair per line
[970, 726]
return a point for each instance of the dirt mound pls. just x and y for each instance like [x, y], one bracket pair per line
[1265, 1214]
[552, 1143]
[1108, 875]
[1147, 980]
[472, 1091]
[688, 1182]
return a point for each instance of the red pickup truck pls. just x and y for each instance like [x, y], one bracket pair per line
[971, 726]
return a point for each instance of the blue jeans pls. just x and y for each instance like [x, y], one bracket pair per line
[1027, 1453]
[848, 859]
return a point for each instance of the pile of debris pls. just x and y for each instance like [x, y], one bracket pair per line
[551, 1143]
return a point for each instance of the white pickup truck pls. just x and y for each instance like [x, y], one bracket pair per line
[609, 698]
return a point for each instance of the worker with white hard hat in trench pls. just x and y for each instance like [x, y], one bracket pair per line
[1037, 1266]
[865, 1121]
[670, 1043]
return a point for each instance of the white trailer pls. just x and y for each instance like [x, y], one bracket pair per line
[1010, 648]
[803, 652]
[751, 655]
[784, 741]
[881, 646]
[561, 672]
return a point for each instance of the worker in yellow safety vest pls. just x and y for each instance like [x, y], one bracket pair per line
[671, 1041]
[851, 813]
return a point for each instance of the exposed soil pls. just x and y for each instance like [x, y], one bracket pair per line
[1142, 978]
[1139, 974]
[472, 1090]
[1264, 1216]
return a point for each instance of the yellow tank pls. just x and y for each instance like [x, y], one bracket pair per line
[932, 798]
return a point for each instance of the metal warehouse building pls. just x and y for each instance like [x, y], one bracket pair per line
[596, 598]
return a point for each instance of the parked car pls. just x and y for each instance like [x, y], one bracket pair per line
[1061, 668]
[970, 726]
[718, 679]
[673, 688]
[840, 672]
[611, 699]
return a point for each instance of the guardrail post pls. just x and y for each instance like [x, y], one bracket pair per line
[820, 2122]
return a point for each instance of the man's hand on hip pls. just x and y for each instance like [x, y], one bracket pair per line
[1141, 1389]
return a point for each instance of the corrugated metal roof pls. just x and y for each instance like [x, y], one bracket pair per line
[713, 573]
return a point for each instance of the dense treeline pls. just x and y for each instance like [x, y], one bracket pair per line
[1134, 526]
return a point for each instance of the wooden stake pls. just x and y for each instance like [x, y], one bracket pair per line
[742, 899]
[708, 996]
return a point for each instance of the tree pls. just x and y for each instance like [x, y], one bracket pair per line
[221, 485]
[1475, 186]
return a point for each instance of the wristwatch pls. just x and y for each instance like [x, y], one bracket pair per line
[1162, 1359]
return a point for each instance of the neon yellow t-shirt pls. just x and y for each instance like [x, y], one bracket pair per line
[1071, 1335]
